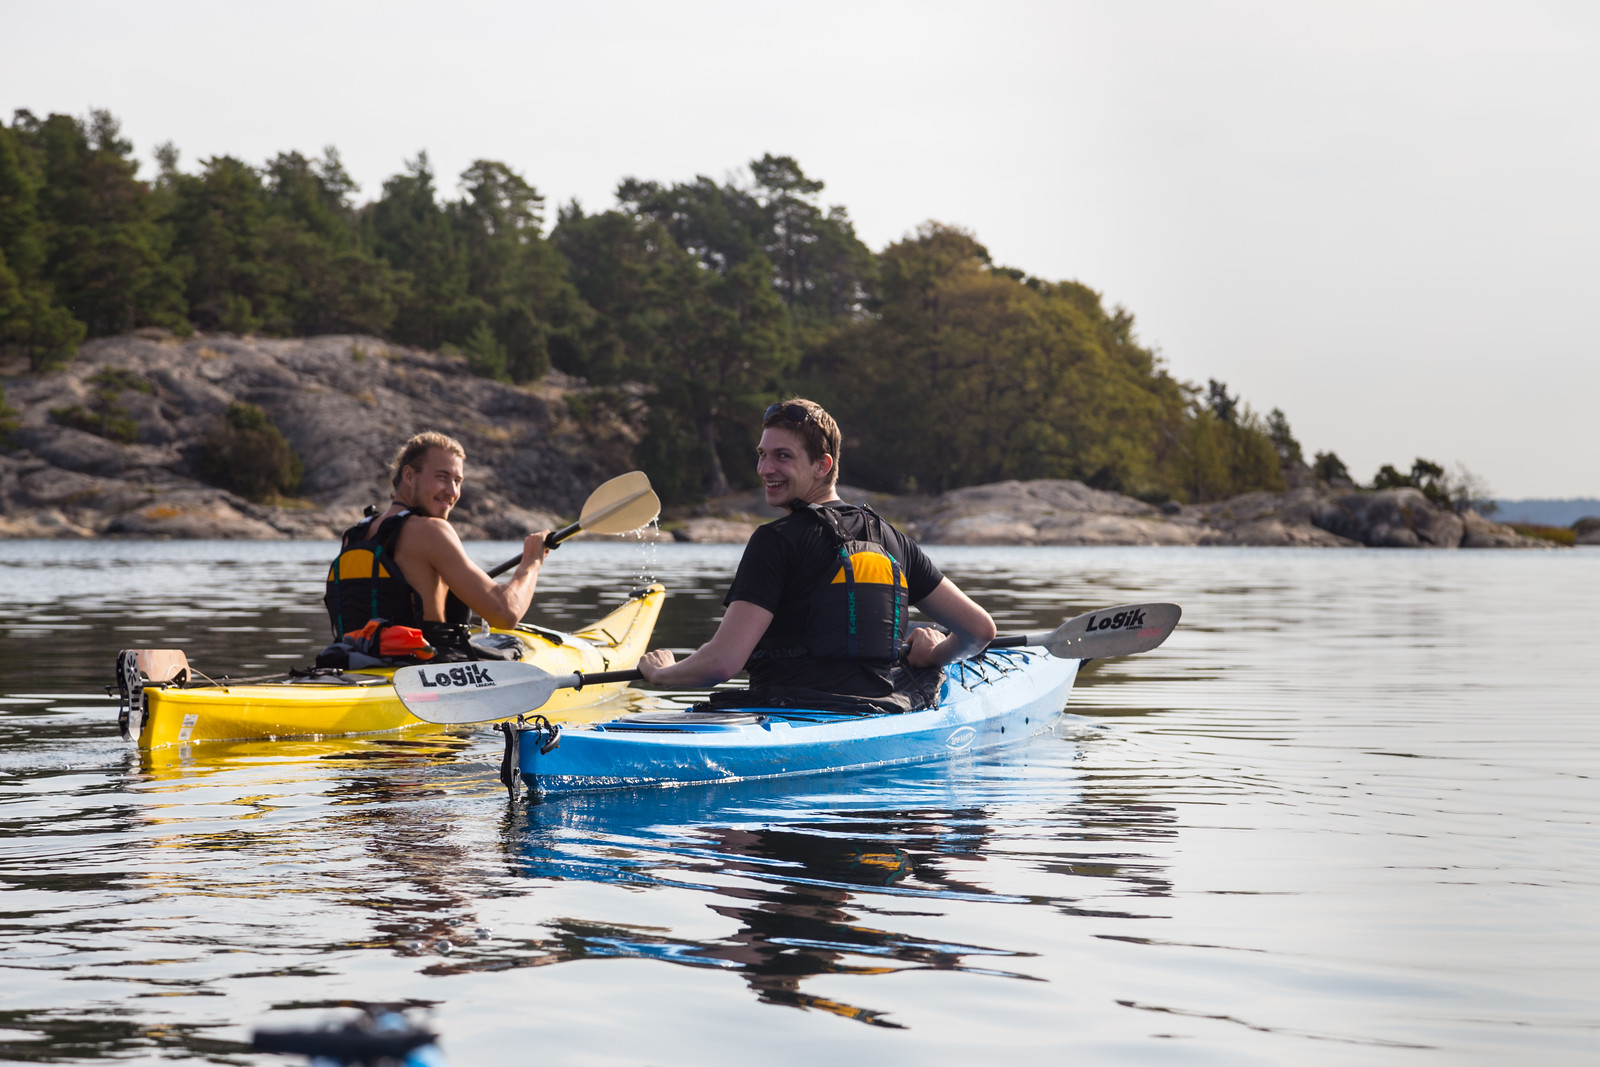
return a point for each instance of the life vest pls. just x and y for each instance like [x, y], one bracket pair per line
[859, 610]
[365, 583]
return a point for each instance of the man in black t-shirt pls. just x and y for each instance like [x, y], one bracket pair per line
[770, 625]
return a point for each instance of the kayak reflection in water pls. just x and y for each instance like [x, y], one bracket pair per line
[436, 587]
[818, 604]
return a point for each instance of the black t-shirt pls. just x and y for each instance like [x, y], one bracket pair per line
[784, 561]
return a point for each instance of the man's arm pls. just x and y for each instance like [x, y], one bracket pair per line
[435, 543]
[970, 627]
[718, 659]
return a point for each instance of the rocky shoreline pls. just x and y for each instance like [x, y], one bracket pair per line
[1050, 512]
[344, 403]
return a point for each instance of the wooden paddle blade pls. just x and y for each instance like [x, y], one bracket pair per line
[1119, 631]
[623, 504]
[484, 691]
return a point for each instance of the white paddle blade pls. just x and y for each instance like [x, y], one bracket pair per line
[1119, 631]
[623, 504]
[483, 691]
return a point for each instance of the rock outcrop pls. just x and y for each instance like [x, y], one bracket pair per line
[1390, 518]
[1055, 512]
[346, 403]
[343, 403]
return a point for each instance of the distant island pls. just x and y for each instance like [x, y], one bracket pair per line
[1546, 512]
[234, 349]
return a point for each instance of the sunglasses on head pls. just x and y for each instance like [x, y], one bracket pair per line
[793, 412]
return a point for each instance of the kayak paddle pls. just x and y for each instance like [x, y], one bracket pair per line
[623, 504]
[461, 693]
[1119, 631]
[483, 691]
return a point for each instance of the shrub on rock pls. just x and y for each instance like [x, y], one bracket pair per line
[248, 455]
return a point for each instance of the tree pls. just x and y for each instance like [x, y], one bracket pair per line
[706, 331]
[821, 266]
[47, 334]
[408, 229]
[1330, 468]
[1434, 483]
[106, 256]
[480, 261]
[219, 221]
[1288, 448]
[331, 283]
[517, 276]
[969, 374]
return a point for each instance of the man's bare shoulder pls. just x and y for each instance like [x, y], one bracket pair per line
[429, 535]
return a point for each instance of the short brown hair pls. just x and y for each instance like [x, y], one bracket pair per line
[412, 452]
[817, 430]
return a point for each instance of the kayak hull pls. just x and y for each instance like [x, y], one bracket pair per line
[1005, 696]
[364, 702]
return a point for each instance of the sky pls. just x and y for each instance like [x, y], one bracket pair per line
[1380, 216]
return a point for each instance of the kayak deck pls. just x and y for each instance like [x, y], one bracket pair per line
[1001, 697]
[364, 702]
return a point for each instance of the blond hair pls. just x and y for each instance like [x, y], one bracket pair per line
[412, 452]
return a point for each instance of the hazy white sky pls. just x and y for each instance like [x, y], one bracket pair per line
[1382, 217]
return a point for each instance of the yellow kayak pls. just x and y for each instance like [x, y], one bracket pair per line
[168, 706]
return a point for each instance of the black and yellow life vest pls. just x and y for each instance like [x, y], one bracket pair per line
[859, 611]
[365, 583]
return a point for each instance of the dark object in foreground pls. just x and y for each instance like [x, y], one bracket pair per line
[379, 1037]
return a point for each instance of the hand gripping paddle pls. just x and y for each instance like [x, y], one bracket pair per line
[621, 505]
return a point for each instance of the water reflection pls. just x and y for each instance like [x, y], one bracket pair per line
[811, 880]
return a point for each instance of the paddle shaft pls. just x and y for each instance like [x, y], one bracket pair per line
[551, 540]
[1012, 641]
[602, 677]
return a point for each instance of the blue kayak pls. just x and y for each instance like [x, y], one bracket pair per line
[1002, 696]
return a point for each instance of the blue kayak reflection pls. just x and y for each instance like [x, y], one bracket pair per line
[810, 870]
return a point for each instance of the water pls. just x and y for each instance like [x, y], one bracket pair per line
[1347, 814]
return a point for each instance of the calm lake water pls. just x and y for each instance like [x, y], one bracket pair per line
[1346, 815]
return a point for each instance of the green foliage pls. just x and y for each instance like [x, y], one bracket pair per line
[1425, 475]
[1561, 535]
[475, 261]
[1458, 490]
[113, 425]
[114, 381]
[1288, 449]
[105, 253]
[46, 334]
[1331, 469]
[277, 250]
[968, 375]
[105, 416]
[486, 356]
[8, 420]
[30, 319]
[248, 455]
